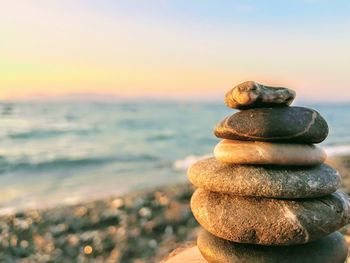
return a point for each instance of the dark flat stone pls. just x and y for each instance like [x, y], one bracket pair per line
[329, 249]
[267, 221]
[284, 124]
[251, 94]
[264, 181]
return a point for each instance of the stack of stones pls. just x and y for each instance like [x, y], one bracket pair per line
[267, 195]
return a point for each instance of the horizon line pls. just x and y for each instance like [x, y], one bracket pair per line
[113, 97]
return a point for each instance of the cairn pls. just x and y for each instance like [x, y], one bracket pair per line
[267, 196]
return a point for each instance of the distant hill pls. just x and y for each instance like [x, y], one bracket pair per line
[98, 97]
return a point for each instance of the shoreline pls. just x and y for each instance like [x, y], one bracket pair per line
[142, 226]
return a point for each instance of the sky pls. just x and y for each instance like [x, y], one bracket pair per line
[175, 49]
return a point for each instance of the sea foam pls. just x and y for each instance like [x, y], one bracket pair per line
[338, 150]
[184, 164]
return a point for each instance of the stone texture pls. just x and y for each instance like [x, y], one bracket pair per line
[189, 255]
[264, 181]
[285, 124]
[270, 221]
[330, 249]
[248, 152]
[251, 94]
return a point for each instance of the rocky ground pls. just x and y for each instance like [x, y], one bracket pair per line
[140, 227]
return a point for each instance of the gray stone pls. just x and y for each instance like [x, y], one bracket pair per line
[251, 94]
[264, 181]
[330, 249]
[270, 221]
[284, 124]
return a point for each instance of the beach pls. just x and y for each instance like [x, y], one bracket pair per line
[142, 226]
[139, 227]
[112, 113]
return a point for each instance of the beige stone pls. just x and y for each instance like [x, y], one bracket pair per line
[189, 255]
[251, 152]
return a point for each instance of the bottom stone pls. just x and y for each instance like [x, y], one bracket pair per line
[189, 255]
[329, 249]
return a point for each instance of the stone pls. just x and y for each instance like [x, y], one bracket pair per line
[264, 181]
[329, 249]
[264, 153]
[266, 221]
[251, 94]
[284, 124]
[189, 255]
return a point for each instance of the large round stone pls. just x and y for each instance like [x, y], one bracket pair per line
[188, 255]
[330, 249]
[270, 221]
[264, 181]
[284, 124]
[248, 152]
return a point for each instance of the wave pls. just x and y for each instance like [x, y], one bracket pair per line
[8, 166]
[161, 136]
[47, 133]
[69, 162]
[184, 164]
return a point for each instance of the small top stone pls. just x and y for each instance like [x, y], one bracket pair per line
[251, 94]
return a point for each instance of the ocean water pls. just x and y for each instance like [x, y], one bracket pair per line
[66, 152]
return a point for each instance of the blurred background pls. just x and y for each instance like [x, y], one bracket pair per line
[105, 104]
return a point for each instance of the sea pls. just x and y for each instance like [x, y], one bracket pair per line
[66, 152]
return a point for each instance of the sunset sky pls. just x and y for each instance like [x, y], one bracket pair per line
[165, 48]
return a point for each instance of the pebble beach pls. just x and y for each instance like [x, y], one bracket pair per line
[143, 226]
